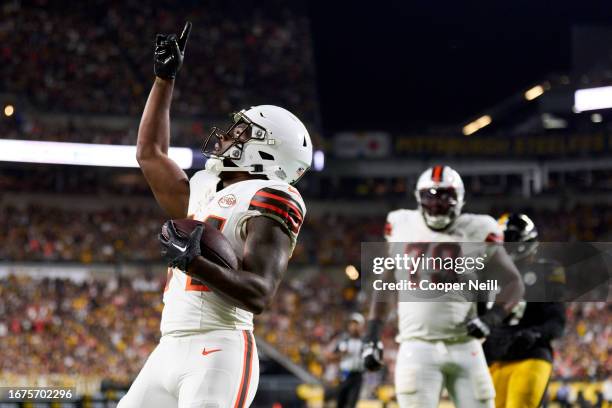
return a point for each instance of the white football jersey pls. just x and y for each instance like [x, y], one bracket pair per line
[189, 305]
[435, 320]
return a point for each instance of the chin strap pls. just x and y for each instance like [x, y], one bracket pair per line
[215, 166]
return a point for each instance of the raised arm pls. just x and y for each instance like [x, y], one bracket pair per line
[167, 180]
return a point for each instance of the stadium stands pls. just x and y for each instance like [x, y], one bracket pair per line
[127, 233]
[105, 329]
[66, 56]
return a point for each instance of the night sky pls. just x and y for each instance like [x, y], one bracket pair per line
[408, 65]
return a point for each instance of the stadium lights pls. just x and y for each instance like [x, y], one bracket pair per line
[9, 110]
[596, 118]
[352, 272]
[81, 154]
[593, 98]
[534, 92]
[476, 125]
[318, 160]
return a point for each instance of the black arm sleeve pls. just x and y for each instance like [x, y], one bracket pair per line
[554, 323]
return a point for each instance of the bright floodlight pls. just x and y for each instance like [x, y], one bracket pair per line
[9, 110]
[476, 125]
[81, 154]
[593, 98]
[318, 160]
[351, 272]
[534, 92]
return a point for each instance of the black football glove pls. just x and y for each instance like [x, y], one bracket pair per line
[480, 327]
[372, 351]
[177, 250]
[524, 340]
[498, 343]
[372, 355]
[169, 53]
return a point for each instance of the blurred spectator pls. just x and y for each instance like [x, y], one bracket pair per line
[564, 395]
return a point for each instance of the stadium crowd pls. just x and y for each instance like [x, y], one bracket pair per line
[107, 328]
[304, 320]
[93, 328]
[41, 232]
[97, 57]
[38, 233]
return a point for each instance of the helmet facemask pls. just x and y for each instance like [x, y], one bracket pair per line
[520, 230]
[439, 206]
[240, 132]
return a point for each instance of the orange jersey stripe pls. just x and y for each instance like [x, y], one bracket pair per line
[284, 200]
[277, 210]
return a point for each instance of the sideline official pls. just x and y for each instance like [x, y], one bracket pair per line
[348, 352]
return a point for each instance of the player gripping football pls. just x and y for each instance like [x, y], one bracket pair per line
[439, 343]
[207, 355]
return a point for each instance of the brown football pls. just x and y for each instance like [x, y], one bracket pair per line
[214, 246]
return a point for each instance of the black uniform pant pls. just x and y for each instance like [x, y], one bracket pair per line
[348, 393]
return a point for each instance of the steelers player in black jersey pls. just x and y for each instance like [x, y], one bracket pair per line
[519, 352]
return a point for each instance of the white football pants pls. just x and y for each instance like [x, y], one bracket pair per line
[423, 367]
[215, 369]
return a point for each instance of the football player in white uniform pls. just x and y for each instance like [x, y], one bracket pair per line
[439, 339]
[207, 355]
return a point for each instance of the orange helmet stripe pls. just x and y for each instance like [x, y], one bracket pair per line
[436, 173]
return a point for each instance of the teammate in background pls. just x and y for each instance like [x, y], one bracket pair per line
[439, 343]
[519, 351]
[207, 355]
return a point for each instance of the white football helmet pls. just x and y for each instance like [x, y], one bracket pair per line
[274, 142]
[440, 196]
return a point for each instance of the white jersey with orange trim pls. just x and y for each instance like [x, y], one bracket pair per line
[435, 320]
[190, 306]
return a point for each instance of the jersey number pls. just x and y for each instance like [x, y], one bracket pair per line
[442, 251]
